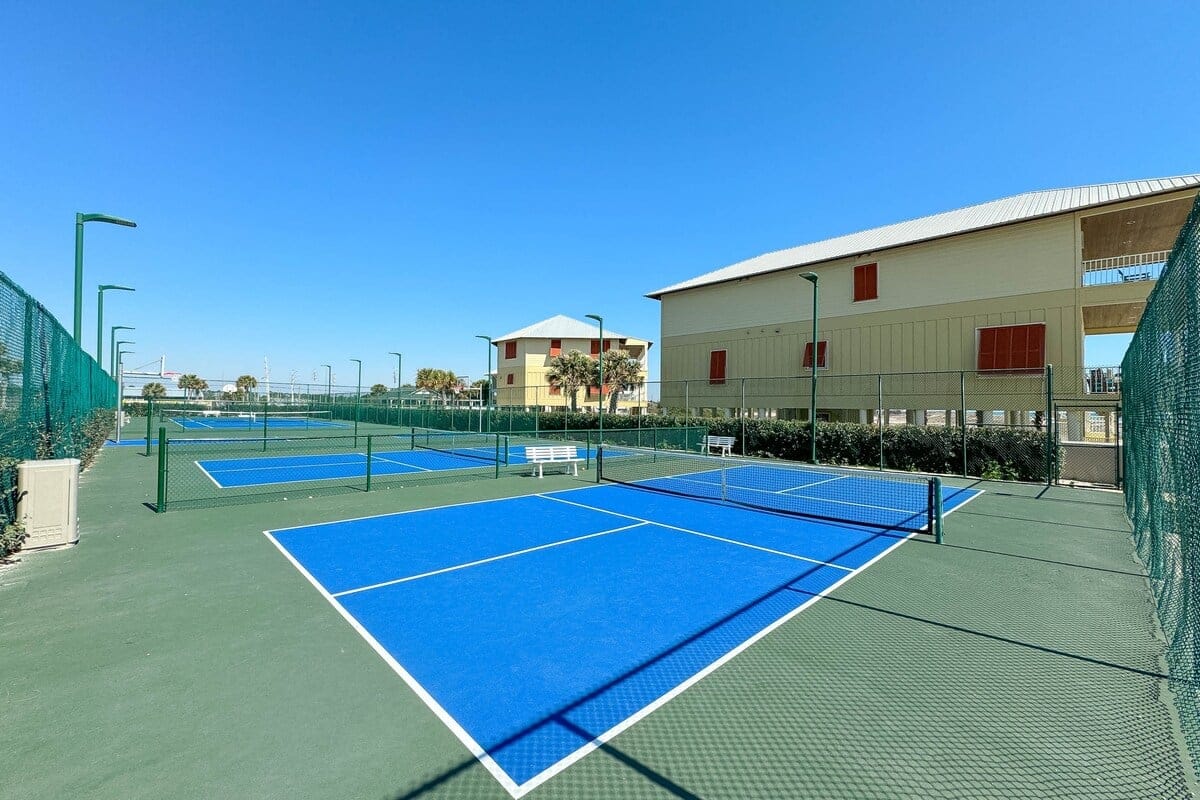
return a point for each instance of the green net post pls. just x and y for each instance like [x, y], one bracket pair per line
[149, 425]
[498, 437]
[369, 459]
[161, 504]
[935, 508]
[587, 457]
[599, 463]
[654, 439]
[264, 425]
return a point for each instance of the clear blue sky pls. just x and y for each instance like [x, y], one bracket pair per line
[320, 181]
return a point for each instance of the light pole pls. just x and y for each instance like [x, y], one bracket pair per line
[811, 277]
[328, 383]
[112, 347]
[79, 220]
[120, 389]
[600, 320]
[357, 395]
[491, 383]
[100, 290]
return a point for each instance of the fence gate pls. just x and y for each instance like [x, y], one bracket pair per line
[1089, 442]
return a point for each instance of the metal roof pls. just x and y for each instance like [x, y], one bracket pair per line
[1005, 211]
[562, 327]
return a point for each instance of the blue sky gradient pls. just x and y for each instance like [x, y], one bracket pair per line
[317, 181]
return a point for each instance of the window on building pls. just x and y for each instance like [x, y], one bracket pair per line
[555, 347]
[509, 379]
[716, 367]
[866, 282]
[510, 349]
[1012, 348]
[821, 363]
[555, 389]
[595, 347]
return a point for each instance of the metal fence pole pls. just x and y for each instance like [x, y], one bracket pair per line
[161, 505]
[369, 459]
[1050, 425]
[149, 423]
[962, 417]
[879, 417]
[742, 412]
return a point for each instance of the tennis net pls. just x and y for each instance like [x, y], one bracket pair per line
[491, 447]
[894, 501]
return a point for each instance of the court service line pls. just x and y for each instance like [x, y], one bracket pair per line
[488, 560]
[705, 535]
[209, 475]
[302, 461]
[432, 704]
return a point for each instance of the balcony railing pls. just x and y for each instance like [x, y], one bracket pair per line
[1124, 269]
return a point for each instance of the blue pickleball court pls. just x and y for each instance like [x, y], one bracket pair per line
[537, 627]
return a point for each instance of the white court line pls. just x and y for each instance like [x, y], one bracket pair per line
[402, 463]
[486, 560]
[450, 722]
[289, 466]
[808, 485]
[209, 475]
[698, 533]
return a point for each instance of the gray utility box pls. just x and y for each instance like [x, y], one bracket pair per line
[49, 503]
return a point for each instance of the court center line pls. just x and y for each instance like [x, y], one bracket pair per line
[402, 463]
[476, 563]
[701, 533]
[305, 465]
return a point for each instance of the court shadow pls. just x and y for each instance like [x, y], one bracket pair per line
[705, 647]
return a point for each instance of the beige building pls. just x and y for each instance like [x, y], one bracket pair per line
[523, 357]
[997, 290]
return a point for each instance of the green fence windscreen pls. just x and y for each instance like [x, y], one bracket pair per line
[1161, 395]
[50, 389]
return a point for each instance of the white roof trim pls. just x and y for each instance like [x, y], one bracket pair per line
[1018, 208]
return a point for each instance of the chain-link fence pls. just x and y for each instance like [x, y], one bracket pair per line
[55, 400]
[1161, 375]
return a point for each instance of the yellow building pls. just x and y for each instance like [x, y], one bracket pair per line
[996, 290]
[523, 356]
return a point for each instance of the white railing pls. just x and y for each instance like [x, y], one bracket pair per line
[1124, 269]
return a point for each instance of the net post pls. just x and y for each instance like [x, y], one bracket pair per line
[497, 445]
[879, 402]
[599, 463]
[587, 453]
[935, 508]
[149, 425]
[264, 425]
[161, 504]
[369, 460]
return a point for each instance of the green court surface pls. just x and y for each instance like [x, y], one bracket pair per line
[179, 655]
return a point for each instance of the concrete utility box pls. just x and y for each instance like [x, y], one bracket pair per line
[49, 501]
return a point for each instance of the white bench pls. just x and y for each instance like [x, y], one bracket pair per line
[722, 444]
[553, 454]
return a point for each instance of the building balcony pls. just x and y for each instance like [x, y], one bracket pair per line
[1133, 268]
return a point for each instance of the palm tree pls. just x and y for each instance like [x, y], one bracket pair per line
[442, 381]
[154, 391]
[245, 383]
[187, 383]
[569, 371]
[621, 373]
[201, 386]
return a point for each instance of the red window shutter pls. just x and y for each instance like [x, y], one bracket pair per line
[716, 367]
[987, 349]
[1036, 354]
[510, 349]
[595, 347]
[866, 282]
[1018, 346]
[555, 390]
[509, 380]
[555, 347]
[808, 350]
